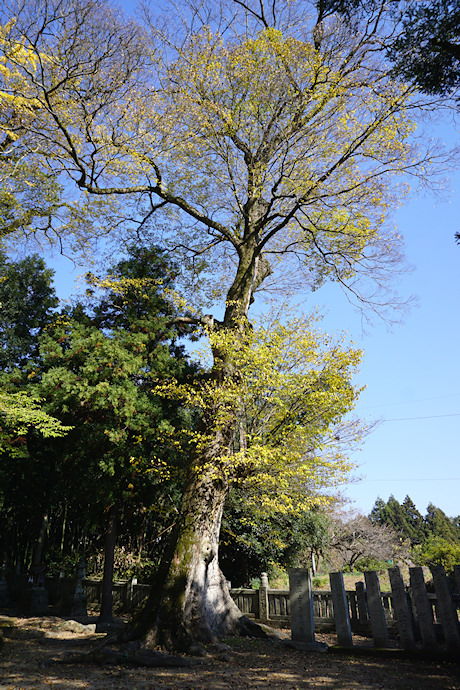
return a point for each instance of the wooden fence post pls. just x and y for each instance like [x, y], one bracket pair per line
[401, 609]
[341, 611]
[445, 608]
[376, 612]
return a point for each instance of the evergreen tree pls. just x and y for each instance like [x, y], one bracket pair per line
[414, 522]
[100, 367]
[378, 513]
[28, 303]
[403, 518]
[439, 525]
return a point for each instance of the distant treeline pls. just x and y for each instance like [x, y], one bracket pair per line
[410, 524]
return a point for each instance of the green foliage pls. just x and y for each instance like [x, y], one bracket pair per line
[252, 542]
[19, 412]
[439, 525]
[438, 551]
[403, 518]
[27, 305]
[370, 563]
[428, 51]
[95, 372]
[57, 563]
[127, 565]
[435, 538]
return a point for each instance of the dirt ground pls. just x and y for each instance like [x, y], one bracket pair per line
[29, 643]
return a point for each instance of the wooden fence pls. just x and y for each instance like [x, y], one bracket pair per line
[412, 616]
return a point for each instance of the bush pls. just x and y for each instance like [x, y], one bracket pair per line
[320, 582]
[56, 563]
[371, 564]
[438, 551]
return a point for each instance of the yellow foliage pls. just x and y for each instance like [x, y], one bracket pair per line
[286, 391]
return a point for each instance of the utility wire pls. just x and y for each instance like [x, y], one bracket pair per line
[408, 419]
[435, 479]
[408, 402]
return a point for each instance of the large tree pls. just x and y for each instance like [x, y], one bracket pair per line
[266, 144]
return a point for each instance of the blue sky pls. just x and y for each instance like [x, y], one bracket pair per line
[412, 373]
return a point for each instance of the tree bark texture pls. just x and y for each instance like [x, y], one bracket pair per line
[190, 602]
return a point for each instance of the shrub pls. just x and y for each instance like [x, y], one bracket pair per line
[438, 551]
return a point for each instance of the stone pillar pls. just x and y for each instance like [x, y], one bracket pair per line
[4, 596]
[376, 610]
[341, 612]
[457, 578]
[130, 592]
[302, 615]
[445, 609]
[38, 595]
[423, 608]
[363, 615]
[79, 609]
[263, 598]
[402, 613]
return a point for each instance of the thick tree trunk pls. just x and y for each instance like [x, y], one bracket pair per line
[190, 602]
[106, 613]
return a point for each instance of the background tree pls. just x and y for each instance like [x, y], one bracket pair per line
[28, 304]
[427, 51]
[433, 537]
[99, 373]
[97, 368]
[355, 541]
[264, 141]
[437, 524]
[271, 542]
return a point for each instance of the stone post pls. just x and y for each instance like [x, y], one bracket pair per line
[79, 609]
[402, 613]
[38, 595]
[341, 611]
[302, 615]
[4, 597]
[423, 608]
[457, 578]
[263, 598]
[130, 592]
[376, 610]
[445, 609]
[363, 615]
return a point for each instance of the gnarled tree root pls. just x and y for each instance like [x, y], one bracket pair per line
[131, 654]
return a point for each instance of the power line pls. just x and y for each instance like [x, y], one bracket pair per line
[408, 419]
[411, 479]
[408, 402]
